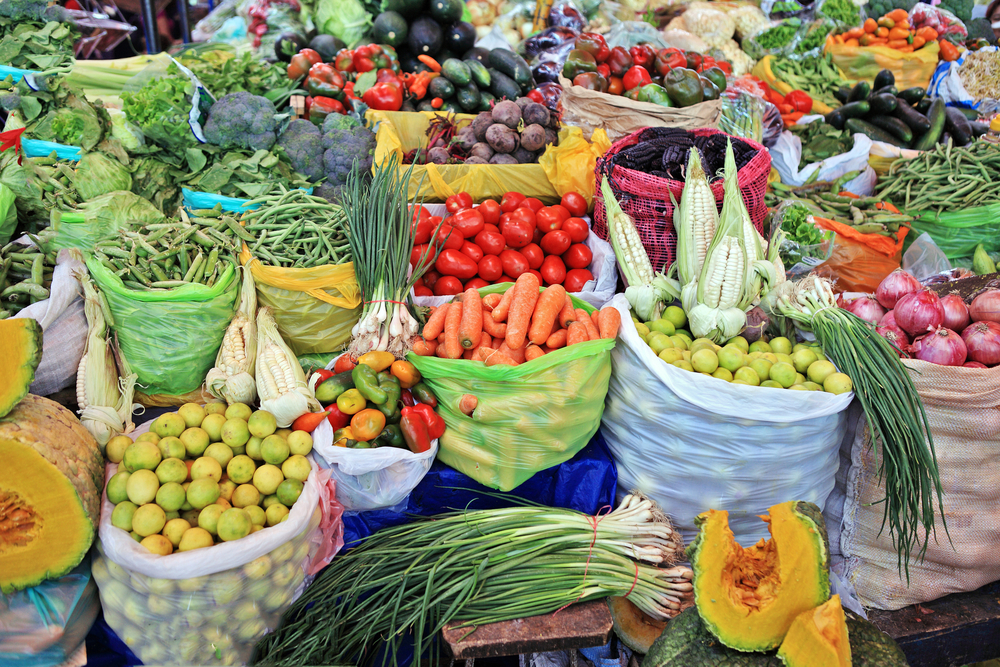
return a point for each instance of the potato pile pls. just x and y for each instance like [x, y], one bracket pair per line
[512, 133]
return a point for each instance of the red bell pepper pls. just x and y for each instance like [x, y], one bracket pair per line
[619, 61]
[604, 70]
[800, 100]
[594, 44]
[385, 96]
[643, 55]
[415, 432]
[344, 61]
[434, 421]
[322, 107]
[707, 62]
[337, 419]
[536, 96]
[325, 81]
[668, 59]
[300, 63]
[694, 60]
[636, 77]
[725, 66]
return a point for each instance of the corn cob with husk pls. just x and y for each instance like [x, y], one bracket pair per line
[695, 221]
[105, 383]
[281, 382]
[232, 379]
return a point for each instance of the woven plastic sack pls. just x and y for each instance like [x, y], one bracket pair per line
[570, 165]
[170, 338]
[646, 198]
[400, 132]
[43, 625]
[963, 409]
[530, 417]
[315, 309]
[958, 232]
[864, 62]
[693, 443]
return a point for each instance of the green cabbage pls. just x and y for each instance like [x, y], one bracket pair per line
[97, 174]
[127, 133]
[8, 214]
[344, 19]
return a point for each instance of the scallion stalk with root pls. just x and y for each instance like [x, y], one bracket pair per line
[476, 567]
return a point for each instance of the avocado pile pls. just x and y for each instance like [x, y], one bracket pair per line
[907, 119]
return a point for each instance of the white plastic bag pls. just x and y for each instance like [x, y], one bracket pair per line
[787, 152]
[64, 326]
[694, 443]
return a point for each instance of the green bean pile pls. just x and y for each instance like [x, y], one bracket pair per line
[176, 253]
[297, 230]
[947, 178]
[25, 277]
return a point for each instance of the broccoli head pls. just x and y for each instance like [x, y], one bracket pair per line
[242, 120]
[962, 9]
[339, 121]
[31, 10]
[981, 28]
[303, 144]
[343, 147]
[329, 192]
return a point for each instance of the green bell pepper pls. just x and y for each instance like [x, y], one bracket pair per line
[366, 382]
[683, 86]
[709, 90]
[391, 436]
[577, 62]
[716, 76]
[389, 383]
[591, 81]
[654, 94]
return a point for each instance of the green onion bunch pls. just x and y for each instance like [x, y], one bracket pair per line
[891, 404]
[476, 567]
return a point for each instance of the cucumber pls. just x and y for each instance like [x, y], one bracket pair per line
[468, 97]
[450, 107]
[893, 126]
[912, 95]
[855, 109]
[916, 120]
[978, 128]
[936, 115]
[923, 105]
[513, 65]
[856, 125]
[883, 79]
[456, 71]
[440, 87]
[882, 104]
[970, 114]
[860, 91]
[480, 74]
[842, 94]
[502, 86]
[486, 100]
[958, 126]
[835, 118]
[885, 90]
[426, 105]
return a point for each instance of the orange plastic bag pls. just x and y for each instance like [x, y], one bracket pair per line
[859, 261]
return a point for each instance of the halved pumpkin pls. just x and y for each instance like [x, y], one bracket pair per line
[634, 628]
[748, 597]
[818, 638]
[20, 354]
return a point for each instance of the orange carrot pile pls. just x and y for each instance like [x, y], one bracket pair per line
[513, 328]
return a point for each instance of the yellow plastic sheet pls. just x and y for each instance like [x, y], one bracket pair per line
[314, 309]
[400, 132]
[570, 165]
[864, 62]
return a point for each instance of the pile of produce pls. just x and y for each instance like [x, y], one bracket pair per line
[820, 141]
[496, 243]
[941, 330]
[867, 215]
[818, 77]
[378, 402]
[295, 229]
[802, 238]
[894, 31]
[665, 152]
[530, 321]
[978, 73]
[945, 178]
[25, 277]
[204, 475]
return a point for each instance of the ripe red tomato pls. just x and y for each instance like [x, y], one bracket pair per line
[422, 291]
[449, 238]
[476, 283]
[536, 274]
[490, 268]
[430, 278]
[533, 254]
[556, 243]
[491, 228]
[456, 203]
[577, 228]
[548, 219]
[574, 203]
[447, 286]
[524, 213]
[534, 204]
[562, 211]
[517, 233]
[553, 270]
[504, 279]
[510, 201]
[472, 250]
[514, 263]
[469, 222]
[417, 253]
[576, 279]
[490, 210]
[491, 243]
[537, 236]
[578, 256]
[454, 263]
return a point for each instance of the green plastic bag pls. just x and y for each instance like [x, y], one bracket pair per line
[530, 417]
[99, 219]
[170, 338]
[8, 214]
[958, 233]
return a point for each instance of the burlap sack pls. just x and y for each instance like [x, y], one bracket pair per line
[963, 408]
[619, 116]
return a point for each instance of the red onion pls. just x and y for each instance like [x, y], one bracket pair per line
[889, 320]
[865, 307]
[986, 307]
[956, 313]
[942, 346]
[973, 364]
[895, 286]
[983, 342]
[919, 312]
[894, 335]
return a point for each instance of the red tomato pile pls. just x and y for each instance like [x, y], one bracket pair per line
[497, 242]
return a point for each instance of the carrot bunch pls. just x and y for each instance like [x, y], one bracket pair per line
[514, 327]
[892, 30]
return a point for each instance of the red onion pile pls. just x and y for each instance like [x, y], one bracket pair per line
[921, 325]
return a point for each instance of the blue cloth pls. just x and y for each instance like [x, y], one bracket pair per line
[585, 483]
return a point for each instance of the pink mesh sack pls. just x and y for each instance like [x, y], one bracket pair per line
[646, 166]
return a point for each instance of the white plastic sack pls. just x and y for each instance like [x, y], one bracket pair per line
[884, 150]
[64, 326]
[787, 152]
[596, 292]
[694, 443]
[947, 84]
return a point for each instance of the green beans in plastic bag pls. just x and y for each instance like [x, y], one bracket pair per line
[169, 337]
[529, 417]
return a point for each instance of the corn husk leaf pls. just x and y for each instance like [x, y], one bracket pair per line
[233, 381]
[295, 400]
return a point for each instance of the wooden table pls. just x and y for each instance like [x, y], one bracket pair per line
[956, 630]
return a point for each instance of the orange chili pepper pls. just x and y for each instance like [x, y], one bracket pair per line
[886, 22]
[839, 39]
[785, 108]
[847, 194]
[897, 43]
[851, 42]
[855, 32]
[898, 15]
[867, 39]
[870, 26]
[430, 62]
[882, 32]
[928, 33]
[437, 103]
[949, 52]
[886, 206]
[878, 41]
[918, 42]
[898, 33]
[905, 49]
